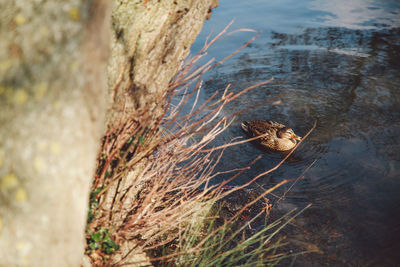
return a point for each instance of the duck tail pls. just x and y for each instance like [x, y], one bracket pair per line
[245, 126]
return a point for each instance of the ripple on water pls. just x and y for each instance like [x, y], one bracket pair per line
[347, 80]
[343, 163]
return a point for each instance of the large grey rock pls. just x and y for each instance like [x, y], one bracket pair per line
[53, 58]
[53, 97]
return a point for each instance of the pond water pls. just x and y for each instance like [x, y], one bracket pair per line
[337, 63]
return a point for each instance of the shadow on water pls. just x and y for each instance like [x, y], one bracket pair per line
[347, 79]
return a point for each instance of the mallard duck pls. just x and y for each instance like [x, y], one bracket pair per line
[276, 137]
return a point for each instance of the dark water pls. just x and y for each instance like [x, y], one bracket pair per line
[337, 63]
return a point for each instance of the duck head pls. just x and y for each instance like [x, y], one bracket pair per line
[288, 133]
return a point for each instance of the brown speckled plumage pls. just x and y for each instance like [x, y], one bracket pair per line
[276, 136]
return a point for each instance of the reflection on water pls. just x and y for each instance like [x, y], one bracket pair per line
[337, 63]
[358, 14]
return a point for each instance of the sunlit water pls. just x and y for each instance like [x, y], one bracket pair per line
[337, 63]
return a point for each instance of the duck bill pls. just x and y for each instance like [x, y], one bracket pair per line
[296, 137]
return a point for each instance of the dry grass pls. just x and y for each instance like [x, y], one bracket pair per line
[155, 183]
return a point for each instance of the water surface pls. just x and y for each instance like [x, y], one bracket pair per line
[337, 63]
